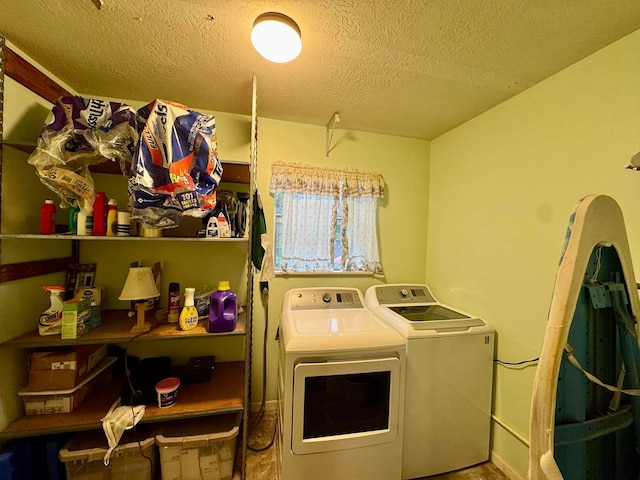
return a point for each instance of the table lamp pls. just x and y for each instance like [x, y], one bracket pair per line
[140, 286]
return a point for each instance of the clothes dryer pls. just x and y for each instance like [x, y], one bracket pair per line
[341, 388]
[449, 379]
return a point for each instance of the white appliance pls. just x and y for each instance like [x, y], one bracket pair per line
[449, 379]
[341, 388]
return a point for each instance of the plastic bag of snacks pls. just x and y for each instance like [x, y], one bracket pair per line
[176, 169]
[80, 132]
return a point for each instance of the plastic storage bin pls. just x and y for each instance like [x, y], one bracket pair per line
[135, 457]
[199, 448]
[66, 401]
[33, 458]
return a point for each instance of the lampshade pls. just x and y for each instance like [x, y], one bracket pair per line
[140, 285]
[276, 37]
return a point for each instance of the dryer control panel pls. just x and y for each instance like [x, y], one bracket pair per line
[394, 294]
[325, 298]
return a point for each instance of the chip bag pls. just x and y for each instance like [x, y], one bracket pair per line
[176, 169]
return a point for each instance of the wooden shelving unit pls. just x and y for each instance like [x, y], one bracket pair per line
[223, 393]
[115, 329]
[229, 387]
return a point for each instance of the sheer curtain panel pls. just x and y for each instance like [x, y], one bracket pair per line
[320, 205]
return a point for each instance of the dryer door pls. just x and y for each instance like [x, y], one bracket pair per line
[345, 404]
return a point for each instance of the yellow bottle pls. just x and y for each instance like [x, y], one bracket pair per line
[189, 315]
[112, 215]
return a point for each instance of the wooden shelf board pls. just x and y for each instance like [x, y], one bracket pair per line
[115, 329]
[89, 238]
[222, 394]
[17, 271]
[234, 171]
[26, 74]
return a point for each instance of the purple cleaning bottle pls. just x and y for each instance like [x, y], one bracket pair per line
[223, 309]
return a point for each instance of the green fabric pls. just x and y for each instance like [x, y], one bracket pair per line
[259, 226]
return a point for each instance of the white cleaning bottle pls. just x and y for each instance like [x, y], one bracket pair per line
[50, 322]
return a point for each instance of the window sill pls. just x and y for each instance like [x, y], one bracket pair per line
[323, 274]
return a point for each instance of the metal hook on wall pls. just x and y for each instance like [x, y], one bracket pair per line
[331, 126]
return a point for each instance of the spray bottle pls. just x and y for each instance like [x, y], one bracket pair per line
[51, 319]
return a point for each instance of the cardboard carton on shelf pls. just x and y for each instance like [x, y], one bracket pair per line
[92, 294]
[76, 314]
[41, 402]
[63, 367]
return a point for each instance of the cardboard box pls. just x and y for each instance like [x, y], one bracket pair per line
[92, 294]
[53, 402]
[76, 314]
[66, 401]
[201, 302]
[64, 367]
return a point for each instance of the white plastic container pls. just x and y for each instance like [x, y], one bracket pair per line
[167, 391]
[202, 447]
[135, 457]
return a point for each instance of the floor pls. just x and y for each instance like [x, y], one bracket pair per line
[263, 464]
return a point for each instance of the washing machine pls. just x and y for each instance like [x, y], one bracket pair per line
[341, 388]
[449, 379]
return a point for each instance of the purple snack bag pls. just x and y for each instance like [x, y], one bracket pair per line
[80, 132]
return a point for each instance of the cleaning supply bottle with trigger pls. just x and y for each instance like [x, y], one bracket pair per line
[189, 314]
[50, 322]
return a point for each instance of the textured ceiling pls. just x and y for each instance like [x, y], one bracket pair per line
[414, 68]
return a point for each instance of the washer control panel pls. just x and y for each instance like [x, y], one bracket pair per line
[325, 298]
[394, 294]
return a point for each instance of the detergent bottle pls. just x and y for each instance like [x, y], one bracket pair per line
[189, 315]
[50, 322]
[223, 309]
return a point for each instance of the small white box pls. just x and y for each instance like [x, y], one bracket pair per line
[207, 447]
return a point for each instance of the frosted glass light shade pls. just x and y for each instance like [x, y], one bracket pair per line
[276, 37]
[140, 285]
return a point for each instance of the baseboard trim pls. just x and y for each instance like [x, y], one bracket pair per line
[269, 405]
[505, 467]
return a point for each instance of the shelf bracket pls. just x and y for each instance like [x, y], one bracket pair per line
[331, 126]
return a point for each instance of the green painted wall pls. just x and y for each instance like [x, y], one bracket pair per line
[502, 188]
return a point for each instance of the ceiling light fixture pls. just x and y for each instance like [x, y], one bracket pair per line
[276, 37]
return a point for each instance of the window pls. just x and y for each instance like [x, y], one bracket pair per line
[325, 219]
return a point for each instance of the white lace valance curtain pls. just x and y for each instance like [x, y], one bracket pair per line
[311, 199]
[300, 178]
